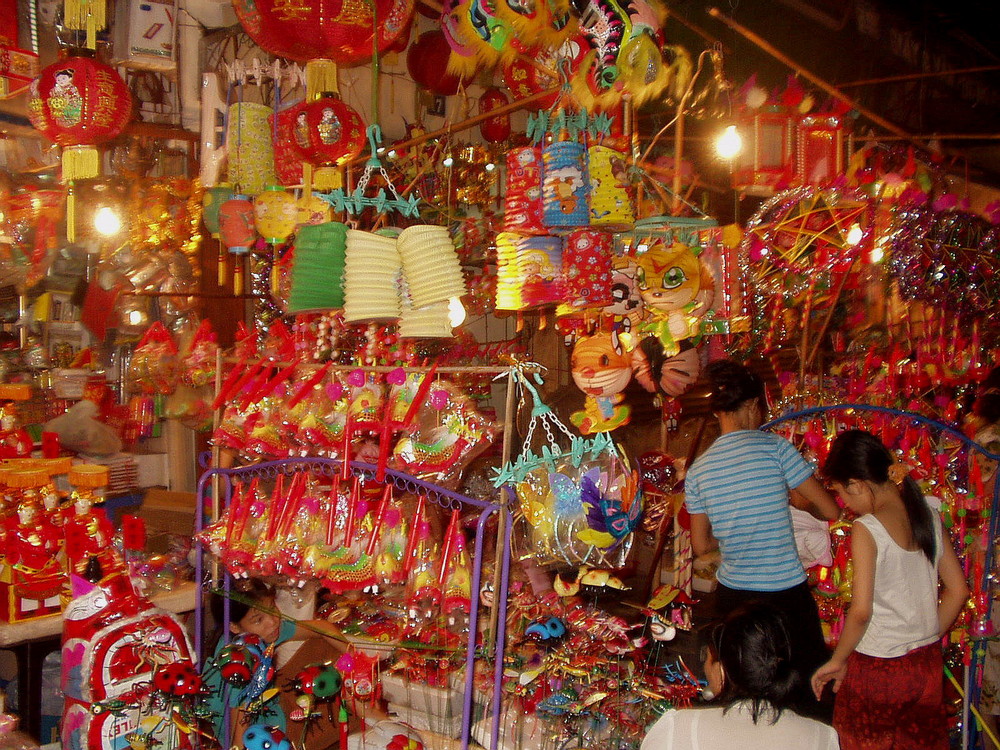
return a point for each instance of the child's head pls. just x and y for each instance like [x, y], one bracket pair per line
[251, 610]
[734, 387]
[856, 455]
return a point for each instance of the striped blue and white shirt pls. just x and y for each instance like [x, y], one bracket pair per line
[741, 482]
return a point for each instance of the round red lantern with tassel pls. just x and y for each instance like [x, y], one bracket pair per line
[427, 63]
[79, 102]
[327, 132]
[303, 30]
[495, 129]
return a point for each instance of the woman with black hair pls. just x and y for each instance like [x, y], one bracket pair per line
[887, 668]
[738, 494]
[747, 659]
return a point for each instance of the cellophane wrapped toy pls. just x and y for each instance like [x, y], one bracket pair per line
[154, 367]
[578, 503]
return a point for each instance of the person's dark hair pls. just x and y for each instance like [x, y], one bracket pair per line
[987, 404]
[245, 594]
[753, 645]
[732, 385]
[856, 454]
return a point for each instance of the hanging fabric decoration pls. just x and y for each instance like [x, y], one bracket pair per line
[288, 162]
[326, 133]
[251, 153]
[524, 212]
[318, 268]
[236, 224]
[213, 199]
[578, 501]
[586, 270]
[85, 15]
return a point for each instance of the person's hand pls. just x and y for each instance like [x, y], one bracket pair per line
[835, 670]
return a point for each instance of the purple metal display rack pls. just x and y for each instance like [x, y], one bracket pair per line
[442, 497]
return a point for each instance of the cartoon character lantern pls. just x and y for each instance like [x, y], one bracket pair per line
[670, 280]
[601, 369]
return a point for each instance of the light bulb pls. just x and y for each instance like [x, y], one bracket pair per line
[136, 317]
[878, 253]
[456, 312]
[730, 143]
[854, 235]
[107, 222]
[448, 161]
[490, 166]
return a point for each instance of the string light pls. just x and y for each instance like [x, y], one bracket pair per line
[456, 312]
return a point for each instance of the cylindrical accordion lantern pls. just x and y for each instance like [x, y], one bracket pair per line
[611, 202]
[523, 201]
[565, 184]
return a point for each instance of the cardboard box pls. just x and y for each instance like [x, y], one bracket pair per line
[167, 513]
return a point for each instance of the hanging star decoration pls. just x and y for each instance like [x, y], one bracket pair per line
[808, 229]
[573, 124]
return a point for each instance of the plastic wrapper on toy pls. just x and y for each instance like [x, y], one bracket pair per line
[271, 435]
[192, 407]
[320, 418]
[199, 359]
[114, 645]
[447, 433]
[154, 367]
[234, 425]
[366, 394]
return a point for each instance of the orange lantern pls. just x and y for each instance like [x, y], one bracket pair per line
[304, 30]
[326, 133]
[236, 225]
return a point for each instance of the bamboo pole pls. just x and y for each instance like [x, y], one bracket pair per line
[466, 123]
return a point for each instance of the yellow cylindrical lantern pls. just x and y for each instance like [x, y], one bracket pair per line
[251, 151]
[276, 213]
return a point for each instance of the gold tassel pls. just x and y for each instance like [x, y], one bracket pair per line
[307, 180]
[327, 178]
[275, 275]
[321, 78]
[222, 264]
[238, 277]
[89, 15]
[70, 215]
[80, 163]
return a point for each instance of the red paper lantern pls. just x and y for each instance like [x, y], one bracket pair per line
[78, 102]
[427, 63]
[303, 30]
[327, 132]
[524, 79]
[495, 129]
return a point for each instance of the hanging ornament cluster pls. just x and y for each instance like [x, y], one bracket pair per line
[948, 258]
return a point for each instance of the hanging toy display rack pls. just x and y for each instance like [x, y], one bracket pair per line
[957, 520]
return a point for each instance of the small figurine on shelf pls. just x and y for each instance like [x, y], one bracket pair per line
[88, 530]
[31, 547]
[15, 442]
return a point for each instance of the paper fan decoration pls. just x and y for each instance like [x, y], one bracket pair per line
[318, 268]
[371, 269]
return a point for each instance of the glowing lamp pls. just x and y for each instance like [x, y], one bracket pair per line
[730, 143]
